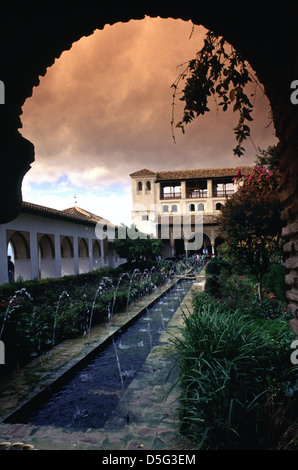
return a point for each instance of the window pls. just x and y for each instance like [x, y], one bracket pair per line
[196, 188]
[170, 190]
[148, 185]
[174, 208]
[223, 188]
[201, 207]
[192, 207]
[145, 217]
[165, 208]
[140, 186]
[218, 206]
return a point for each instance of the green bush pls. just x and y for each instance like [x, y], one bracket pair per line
[274, 280]
[229, 372]
[216, 265]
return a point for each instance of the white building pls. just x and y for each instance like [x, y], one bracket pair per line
[182, 197]
[46, 242]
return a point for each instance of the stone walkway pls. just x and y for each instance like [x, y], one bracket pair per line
[150, 401]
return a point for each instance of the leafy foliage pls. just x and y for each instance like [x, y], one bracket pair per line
[250, 221]
[137, 245]
[237, 383]
[218, 70]
[231, 373]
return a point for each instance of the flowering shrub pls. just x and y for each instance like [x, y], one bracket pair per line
[269, 307]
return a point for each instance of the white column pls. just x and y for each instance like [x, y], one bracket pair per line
[34, 256]
[183, 190]
[76, 254]
[3, 256]
[102, 253]
[90, 248]
[209, 188]
[58, 255]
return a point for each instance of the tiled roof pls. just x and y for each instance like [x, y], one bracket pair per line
[201, 173]
[190, 174]
[80, 213]
[144, 172]
[72, 214]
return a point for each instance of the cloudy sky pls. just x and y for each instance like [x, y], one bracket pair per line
[103, 111]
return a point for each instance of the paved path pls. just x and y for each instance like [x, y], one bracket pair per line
[150, 401]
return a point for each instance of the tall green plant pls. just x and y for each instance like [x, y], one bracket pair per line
[227, 372]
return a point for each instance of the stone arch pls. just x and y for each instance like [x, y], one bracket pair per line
[46, 256]
[66, 248]
[21, 250]
[272, 56]
[218, 241]
[46, 247]
[83, 248]
[67, 256]
[83, 253]
[206, 245]
[96, 249]
[19, 241]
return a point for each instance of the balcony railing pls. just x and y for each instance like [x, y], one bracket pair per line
[170, 195]
[196, 194]
[223, 193]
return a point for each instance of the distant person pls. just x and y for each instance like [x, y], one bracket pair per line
[10, 267]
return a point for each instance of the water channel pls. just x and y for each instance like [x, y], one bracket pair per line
[93, 393]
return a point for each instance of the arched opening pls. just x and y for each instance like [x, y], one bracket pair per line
[218, 241]
[67, 258]
[46, 256]
[18, 249]
[83, 255]
[179, 247]
[96, 254]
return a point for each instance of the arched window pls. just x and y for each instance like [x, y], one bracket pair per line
[192, 207]
[148, 185]
[46, 247]
[96, 249]
[66, 248]
[83, 248]
[165, 208]
[218, 206]
[140, 185]
[174, 208]
[201, 207]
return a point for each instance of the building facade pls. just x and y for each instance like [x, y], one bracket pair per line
[163, 201]
[46, 242]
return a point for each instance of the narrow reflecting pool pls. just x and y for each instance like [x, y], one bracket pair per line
[90, 397]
